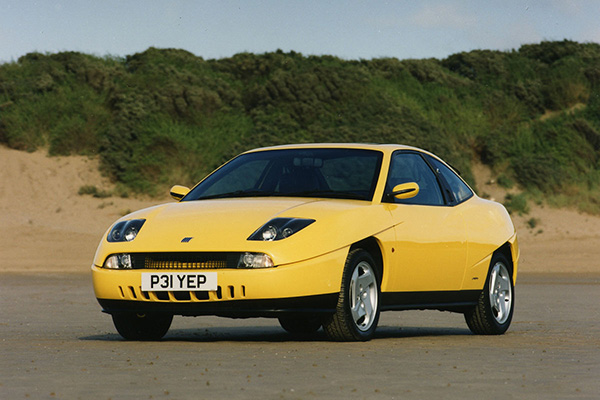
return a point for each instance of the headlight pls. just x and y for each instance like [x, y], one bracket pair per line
[125, 231]
[255, 260]
[280, 228]
[118, 261]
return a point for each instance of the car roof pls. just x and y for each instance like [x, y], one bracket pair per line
[386, 148]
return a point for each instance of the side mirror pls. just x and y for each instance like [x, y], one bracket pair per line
[406, 190]
[177, 192]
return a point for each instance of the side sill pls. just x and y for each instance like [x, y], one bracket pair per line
[454, 301]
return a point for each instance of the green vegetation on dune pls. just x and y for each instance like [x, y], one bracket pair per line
[167, 116]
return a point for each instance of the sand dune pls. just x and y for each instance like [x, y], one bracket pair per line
[45, 225]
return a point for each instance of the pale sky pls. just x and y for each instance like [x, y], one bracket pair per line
[348, 29]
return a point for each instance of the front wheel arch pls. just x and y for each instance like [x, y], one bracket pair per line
[359, 300]
[371, 246]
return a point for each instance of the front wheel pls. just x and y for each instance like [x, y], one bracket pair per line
[493, 313]
[139, 326]
[357, 310]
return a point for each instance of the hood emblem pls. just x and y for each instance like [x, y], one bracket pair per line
[186, 239]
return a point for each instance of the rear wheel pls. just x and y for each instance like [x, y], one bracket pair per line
[300, 324]
[357, 311]
[139, 326]
[493, 313]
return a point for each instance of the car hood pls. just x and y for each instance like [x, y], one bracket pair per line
[224, 225]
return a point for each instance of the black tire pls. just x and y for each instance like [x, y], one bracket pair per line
[134, 326]
[494, 311]
[300, 324]
[357, 310]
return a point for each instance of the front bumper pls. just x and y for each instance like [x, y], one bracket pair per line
[325, 303]
[308, 286]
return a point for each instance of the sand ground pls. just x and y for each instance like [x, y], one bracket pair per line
[45, 225]
[56, 344]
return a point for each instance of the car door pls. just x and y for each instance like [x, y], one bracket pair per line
[430, 237]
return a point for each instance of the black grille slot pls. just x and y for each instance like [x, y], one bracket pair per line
[182, 296]
[185, 260]
[162, 295]
[201, 295]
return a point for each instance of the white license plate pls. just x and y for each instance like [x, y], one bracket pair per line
[178, 281]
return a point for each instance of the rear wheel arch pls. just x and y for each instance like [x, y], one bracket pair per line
[506, 251]
[493, 312]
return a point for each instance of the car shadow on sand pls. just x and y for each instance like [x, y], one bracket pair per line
[277, 334]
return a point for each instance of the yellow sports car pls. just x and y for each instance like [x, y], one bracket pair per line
[317, 235]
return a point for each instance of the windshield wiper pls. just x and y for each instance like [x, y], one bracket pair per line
[237, 193]
[306, 193]
[325, 193]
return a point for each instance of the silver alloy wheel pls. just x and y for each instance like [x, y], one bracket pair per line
[500, 293]
[363, 296]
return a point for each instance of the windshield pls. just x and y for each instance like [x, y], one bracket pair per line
[328, 173]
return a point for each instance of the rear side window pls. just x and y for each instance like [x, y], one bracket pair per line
[460, 190]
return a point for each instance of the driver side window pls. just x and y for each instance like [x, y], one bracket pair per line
[410, 167]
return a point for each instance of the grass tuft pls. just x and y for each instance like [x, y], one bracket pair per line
[93, 191]
[516, 203]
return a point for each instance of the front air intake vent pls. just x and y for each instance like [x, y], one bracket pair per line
[186, 260]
